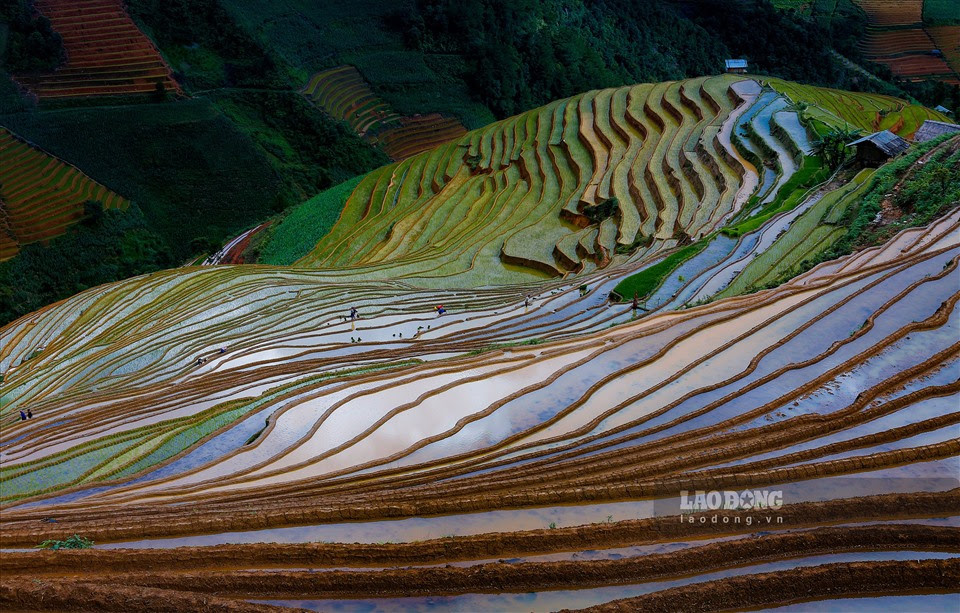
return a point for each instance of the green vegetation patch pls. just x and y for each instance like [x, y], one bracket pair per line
[203, 45]
[644, 282]
[308, 149]
[27, 40]
[811, 233]
[791, 193]
[941, 12]
[73, 542]
[184, 439]
[58, 473]
[303, 227]
[525, 343]
[923, 197]
[929, 189]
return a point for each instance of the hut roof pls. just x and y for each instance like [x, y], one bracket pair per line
[931, 129]
[885, 141]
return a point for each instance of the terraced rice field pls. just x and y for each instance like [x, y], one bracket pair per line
[344, 94]
[879, 43]
[40, 195]
[656, 150]
[867, 112]
[106, 53]
[898, 38]
[531, 448]
[892, 12]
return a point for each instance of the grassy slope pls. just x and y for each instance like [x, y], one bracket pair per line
[811, 173]
[305, 225]
[806, 237]
[847, 218]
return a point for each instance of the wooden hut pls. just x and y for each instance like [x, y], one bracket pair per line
[736, 66]
[877, 148]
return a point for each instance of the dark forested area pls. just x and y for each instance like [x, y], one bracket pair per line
[31, 44]
[524, 53]
[204, 46]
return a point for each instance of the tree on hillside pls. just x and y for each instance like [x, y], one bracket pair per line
[159, 91]
[32, 45]
[832, 146]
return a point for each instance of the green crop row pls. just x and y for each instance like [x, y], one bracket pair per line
[807, 236]
[644, 282]
[811, 173]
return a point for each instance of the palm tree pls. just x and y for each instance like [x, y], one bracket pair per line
[832, 146]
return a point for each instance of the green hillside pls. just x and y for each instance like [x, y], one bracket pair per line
[608, 175]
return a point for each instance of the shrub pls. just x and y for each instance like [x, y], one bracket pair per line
[74, 542]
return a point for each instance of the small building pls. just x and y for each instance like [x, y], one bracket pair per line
[942, 109]
[736, 66]
[931, 129]
[879, 147]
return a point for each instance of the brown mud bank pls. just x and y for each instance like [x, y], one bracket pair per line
[537, 576]
[25, 594]
[798, 585]
[184, 521]
[886, 507]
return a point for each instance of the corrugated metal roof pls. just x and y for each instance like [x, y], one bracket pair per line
[886, 141]
[736, 63]
[932, 129]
